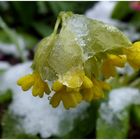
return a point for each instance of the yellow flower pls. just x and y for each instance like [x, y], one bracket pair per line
[34, 79]
[112, 61]
[104, 85]
[69, 97]
[93, 92]
[133, 55]
[86, 89]
[26, 82]
[72, 78]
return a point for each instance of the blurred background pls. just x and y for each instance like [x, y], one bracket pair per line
[22, 26]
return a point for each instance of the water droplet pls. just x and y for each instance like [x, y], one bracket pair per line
[49, 97]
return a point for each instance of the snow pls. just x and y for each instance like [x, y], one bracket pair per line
[102, 11]
[125, 70]
[4, 65]
[37, 115]
[8, 48]
[12, 49]
[119, 100]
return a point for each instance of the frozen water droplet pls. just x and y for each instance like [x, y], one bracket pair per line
[49, 97]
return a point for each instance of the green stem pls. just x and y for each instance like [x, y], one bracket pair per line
[131, 79]
[13, 36]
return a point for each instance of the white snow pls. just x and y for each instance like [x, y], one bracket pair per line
[37, 114]
[125, 70]
[102, 11]
[4, 65]
[11, 48]
[119, 100]
[8, 48]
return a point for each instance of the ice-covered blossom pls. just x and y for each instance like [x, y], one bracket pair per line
[77, 58]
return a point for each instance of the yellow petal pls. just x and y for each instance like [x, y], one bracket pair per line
[98, 92]
[55, 100]
[78, 97]
[117, 60]
[72, 89]
[57, 86]
[46, 88]
[104, 85]
[26, 82]
[108, 69]
[38, 89]
[69, 100]
[39, 86]
[87, 94]
[87, 83]
[72, 78]
[133, 55]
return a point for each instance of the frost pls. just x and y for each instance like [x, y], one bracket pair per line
[37, 116]
[119, 100]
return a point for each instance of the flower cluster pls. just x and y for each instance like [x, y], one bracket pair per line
[87, 90]
[39, 86]
[76, 64]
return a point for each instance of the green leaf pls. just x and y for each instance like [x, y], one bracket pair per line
[81, 126]
[42, 29]
[12, 129]
[24, 11]
[112, 125]
[14, 37]
[136, 114]
[6, 96]
[42, 8]
[4, 37]
[135, 20]
[30, 40]
[124, 7]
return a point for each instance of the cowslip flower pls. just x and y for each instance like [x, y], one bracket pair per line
[69, 97]
[76, 58]
[111, 62]
[88, 91]
[133, 55]
[39, 86]
[93, 92]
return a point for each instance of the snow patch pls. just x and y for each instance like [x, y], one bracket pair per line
[8, 48]
[102, 11]
[4, 65]
[119, 100]
[12, 49]
[37, 114]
